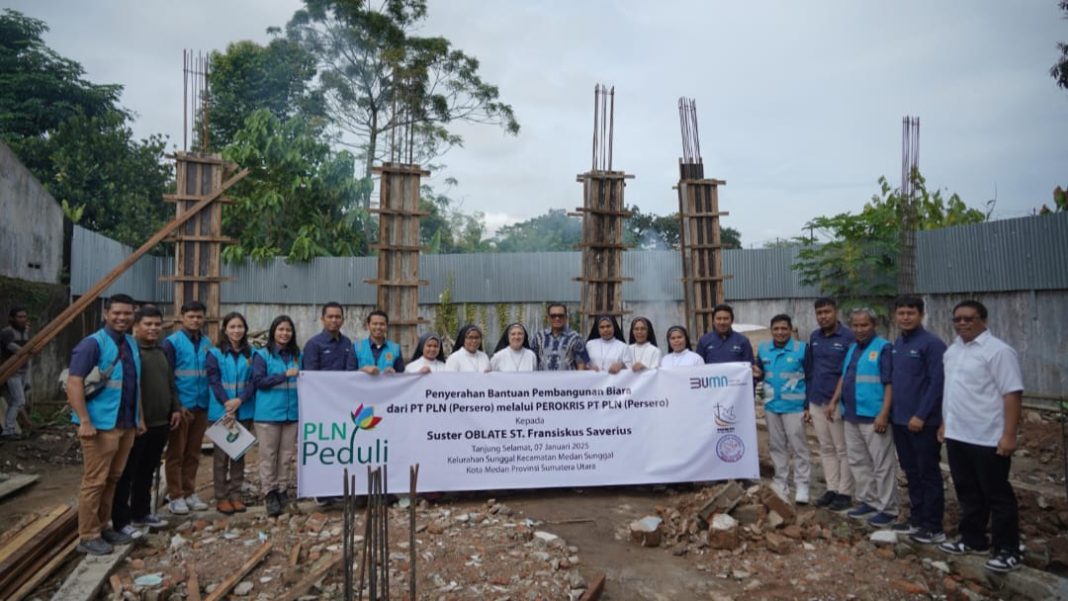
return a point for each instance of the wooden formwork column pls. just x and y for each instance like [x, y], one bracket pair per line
[198, 242]
[702, 251]
[398, 251]
[602, 244]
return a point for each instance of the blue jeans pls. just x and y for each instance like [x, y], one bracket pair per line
[16, 399]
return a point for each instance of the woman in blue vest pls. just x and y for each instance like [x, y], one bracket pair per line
[229, 367]
[274, 374]
[783, 361]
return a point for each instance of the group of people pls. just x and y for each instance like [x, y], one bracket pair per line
[865, 396]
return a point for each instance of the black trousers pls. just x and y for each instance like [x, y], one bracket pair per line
[133, 494]
[919, 454]
[981, 479]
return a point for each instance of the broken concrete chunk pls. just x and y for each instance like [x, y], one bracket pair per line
[646, 531]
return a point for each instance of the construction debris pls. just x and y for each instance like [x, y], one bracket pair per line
[13, 483]
[34, 548]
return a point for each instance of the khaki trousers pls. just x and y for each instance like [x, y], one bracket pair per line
[183, 455]
[874, 465]
[104, 457]
[832, 444]
[228, 475]
[277, 442]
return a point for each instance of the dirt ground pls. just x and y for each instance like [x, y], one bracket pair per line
[550, 544]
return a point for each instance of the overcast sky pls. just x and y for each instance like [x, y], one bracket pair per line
[800, 103]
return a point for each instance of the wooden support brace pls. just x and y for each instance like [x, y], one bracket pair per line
[227, 585]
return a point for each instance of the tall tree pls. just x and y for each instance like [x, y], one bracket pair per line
[379, 79]
[447, 229]
[1059, 71]
[300, 199]
[858, 262]
[553, 231]
[248, 77]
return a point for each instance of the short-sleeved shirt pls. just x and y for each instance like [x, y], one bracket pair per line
[978, 376]
[559, 353]
[824, 357]
[849, 381]
[376, 352]
[86, 356]
[734, 347]
[326, 352]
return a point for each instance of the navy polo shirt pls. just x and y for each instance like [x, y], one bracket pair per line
[824, 357]
[86, 356]
[849, 381]
[918, 377]
[714, 348]
[327, 352]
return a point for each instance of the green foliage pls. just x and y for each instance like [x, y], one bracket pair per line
[470, 316]
[502, 317]
[447, 317]
[377, 77]
[858, 263]
[1059, 71]
[1060, 202]
[248, 77]
[447, 230]
[300, 199]
[553, 231]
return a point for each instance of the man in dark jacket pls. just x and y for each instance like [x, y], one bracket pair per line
[162, 413]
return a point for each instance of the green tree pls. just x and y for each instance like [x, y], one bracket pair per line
[858, 262]
[248, 77]
[300, 199]
[447, 229]
[1059, 71]
[553, 231]
[379, 79]
[650, 231]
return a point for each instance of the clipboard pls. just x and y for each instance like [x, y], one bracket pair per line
[234, 440]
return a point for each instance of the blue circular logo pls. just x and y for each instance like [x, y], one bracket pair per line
[730, 448]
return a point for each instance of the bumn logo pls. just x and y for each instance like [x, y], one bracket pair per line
[709, 382]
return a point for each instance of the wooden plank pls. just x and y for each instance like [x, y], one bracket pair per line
[42, 573]
[192, 583]
[596, 588]
[327, 564]
[227, 585]
[54, 327]
[16, 483]
[294, 555]
[24, 535]
[23, 522]
[56, 533]
[89, 577]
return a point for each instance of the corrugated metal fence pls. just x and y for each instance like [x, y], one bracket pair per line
[1029, 253]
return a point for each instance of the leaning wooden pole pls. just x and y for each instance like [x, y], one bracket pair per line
[54, 327]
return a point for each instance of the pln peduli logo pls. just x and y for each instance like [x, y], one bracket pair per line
[364, 418]
[335, 442]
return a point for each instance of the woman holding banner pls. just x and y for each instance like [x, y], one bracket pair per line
[606, 348]
[427, 356]
[513, 351]
[680, 355]
[229, 367]
[274, 374]
[469, 357]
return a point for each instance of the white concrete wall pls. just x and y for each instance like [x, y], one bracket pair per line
[31, 225]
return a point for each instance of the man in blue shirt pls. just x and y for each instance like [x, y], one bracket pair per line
[723, 344]
[826, 351]
[330, 350]
[558, 347]
[374, 354]
[915, 416]
[107, 420]
[865, 390]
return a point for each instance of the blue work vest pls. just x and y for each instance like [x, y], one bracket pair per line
[235, 373]
[104, 407]
[365, 357]
[869, 387]
[784, 376]
[278, 403]
[189, 373]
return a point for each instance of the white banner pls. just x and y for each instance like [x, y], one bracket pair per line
[527, 430]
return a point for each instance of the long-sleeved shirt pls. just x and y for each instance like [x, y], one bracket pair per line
[168, 348]
[86, 356]
[211, 365]
[823, 363]
[11, 341]
[159, 393]
[376, 352]
[918, 378]
[734, 347]
[260, 379]
[329, 352]
[849, 381]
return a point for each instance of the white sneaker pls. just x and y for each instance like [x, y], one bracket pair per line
[132, 532]
[801, 497]
[178, 507]
[195, 504]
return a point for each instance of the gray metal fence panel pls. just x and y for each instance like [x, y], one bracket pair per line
[1028, 253]
[93, 255]
[764, 273]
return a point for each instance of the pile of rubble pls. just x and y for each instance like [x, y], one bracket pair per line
[465, 551]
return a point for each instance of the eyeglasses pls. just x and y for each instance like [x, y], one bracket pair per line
[964, 318]
[557, 315]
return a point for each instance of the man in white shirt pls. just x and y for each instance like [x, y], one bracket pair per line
[981, 412]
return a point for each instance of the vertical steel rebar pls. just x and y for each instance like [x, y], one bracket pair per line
[413, 478]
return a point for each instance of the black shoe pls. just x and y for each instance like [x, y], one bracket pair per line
[841, 503]
[96, 546]
[825, 500]
[274, 503]
[115, 537]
